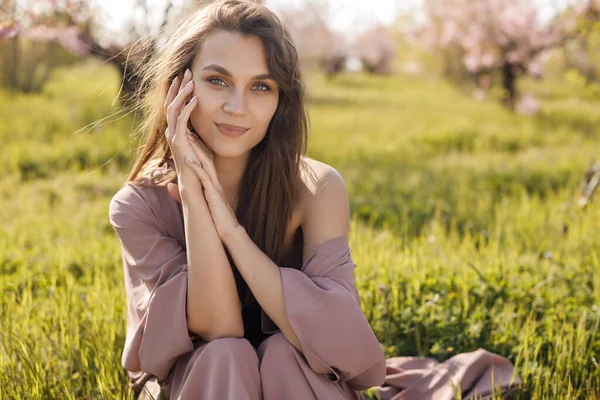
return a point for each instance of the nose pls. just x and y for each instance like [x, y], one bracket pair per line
[235, 103]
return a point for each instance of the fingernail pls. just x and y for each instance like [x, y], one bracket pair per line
[187, 72]
[188, 159]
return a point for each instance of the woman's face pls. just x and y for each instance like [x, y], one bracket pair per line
[233, 87]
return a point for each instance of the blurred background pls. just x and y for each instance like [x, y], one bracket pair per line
[467, 132]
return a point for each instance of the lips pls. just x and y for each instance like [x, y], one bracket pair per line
[231, 130]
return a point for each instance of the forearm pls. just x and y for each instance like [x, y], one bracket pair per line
[263, 278]
[213, 304]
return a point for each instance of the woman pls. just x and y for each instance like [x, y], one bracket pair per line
[238, 275]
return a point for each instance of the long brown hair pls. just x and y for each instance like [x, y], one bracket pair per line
[270, 183]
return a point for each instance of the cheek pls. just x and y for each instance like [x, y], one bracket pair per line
[207, 100]
[201, 115]
[265, 109]
[207, 104]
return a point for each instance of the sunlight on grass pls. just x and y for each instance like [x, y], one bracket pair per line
[465, 229]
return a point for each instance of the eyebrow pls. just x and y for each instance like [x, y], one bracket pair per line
[223, 71]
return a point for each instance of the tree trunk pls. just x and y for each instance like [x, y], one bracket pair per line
[13, 62]
[509, 83]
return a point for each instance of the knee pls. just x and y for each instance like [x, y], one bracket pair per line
[275, 347]
[229, 347]
[212, 364]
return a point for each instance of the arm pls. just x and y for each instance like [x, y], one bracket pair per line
[213, 304]
[328, 217]
[155, 266]
[155, 270]
[214, 309]
[263, 277]
[318, 307]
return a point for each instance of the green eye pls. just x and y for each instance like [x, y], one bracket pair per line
[218, 81]
[265, 87]
[211, 80]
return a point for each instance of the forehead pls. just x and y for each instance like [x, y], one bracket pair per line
[243, 56]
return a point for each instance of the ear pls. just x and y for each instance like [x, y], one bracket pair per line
[174, 191]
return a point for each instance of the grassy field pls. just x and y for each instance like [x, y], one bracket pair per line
[465, 229]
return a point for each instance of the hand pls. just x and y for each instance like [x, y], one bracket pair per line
[178, 114]
[222, 214]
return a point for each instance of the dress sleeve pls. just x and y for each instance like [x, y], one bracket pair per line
[155, 271]
[324, 309]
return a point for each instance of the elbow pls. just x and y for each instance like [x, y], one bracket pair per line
[219, 324]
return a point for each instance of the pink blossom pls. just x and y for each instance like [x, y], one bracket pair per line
[9, 30]
[528, 105]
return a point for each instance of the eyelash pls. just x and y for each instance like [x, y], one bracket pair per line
[267, 88]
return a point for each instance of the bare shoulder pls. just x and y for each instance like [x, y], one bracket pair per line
[326, 205]
[318, 175]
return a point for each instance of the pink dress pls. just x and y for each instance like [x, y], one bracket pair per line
[340, 357]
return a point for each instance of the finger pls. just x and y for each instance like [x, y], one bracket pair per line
[196, 139]
[182, 119]
[175, 107]
[205, 160]
[182, 98]
[202, 174]
[187, 78]
[201, 159]
[172, 92]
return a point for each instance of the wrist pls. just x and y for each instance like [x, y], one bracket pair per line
[235, 235]
[191, 192]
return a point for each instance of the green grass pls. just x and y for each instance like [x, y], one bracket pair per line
[465, 228]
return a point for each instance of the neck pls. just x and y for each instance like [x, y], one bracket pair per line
[229, 171]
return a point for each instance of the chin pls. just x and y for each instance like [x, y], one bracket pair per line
[230, 151]
[239, 147]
